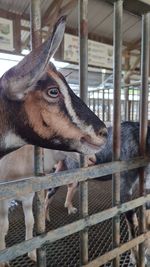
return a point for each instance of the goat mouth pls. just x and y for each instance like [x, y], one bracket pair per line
[93, 146]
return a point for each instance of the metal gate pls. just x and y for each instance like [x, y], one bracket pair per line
[38, 184]
[100, 102]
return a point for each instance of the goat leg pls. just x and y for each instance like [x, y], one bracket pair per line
[51, 191]
[132, 223]
[29, 222]
[70, 194]
[49, 197]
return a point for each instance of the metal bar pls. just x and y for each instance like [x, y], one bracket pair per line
[83, 81]
[83, 41]
[109, 110]
[107, 99]
[94, 106]
[14, 189]
[118, 251]
[83, 191]
[132, 104]
[35, 19]
[61, 232]
[134, 84]
[144, 85]
[17, 34]
[117, 40]
[36, 40]
[98, 111]
[130, 110]
[127, 81]
[93, 101]
[143, 121]
[126, 85]
[103, 105]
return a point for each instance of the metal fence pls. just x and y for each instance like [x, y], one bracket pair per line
[101, 102]
[37, 184]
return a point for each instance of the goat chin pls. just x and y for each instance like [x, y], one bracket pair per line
[88, 148]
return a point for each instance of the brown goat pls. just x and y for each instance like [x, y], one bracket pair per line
[38, 107]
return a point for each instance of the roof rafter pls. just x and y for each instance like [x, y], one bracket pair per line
[48, 12]
[69, 6]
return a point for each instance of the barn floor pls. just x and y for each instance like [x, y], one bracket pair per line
[65, 252]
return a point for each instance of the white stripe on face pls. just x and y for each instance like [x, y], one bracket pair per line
[88, 129]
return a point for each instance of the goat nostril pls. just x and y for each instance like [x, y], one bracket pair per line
[103, 132]
[85, 138]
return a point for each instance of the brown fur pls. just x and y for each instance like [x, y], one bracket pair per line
[39, 110]
[31, 114]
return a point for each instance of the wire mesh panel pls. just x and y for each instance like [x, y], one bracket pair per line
[101, 102]
[65, 252]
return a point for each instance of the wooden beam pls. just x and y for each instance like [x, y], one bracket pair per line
[49, 17]
[70, 5]
[131, 70]
[134, 45]
[27, 29]
[137, 7]
[48, 12]
[54, 16]
[10, 15]
[17, 34]
[26, 43]
[53, 12]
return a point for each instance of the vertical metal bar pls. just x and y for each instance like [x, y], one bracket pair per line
[109, 105]
[127, 81]
[94, 105]
[35, 18]
[117, 39]
[103, 106]
[92, 101]
[83, 77]
[35, 14]
[148, 109]
[129, 104]
[133, 103]
[89, 99]
[133, 96]
[143, 119]
[83, 201]
[98, 104]
[129, 110]
[83, 42]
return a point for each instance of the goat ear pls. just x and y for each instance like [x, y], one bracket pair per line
[20, 79]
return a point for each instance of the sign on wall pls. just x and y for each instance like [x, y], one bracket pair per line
[6, 34]
[99, 54]
[71, 49]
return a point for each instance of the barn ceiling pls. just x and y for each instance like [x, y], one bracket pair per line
[100, 15]
[100, 21]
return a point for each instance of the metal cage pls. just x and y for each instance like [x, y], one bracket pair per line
[82, 175]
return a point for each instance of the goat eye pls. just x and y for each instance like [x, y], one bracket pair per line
[53, 92]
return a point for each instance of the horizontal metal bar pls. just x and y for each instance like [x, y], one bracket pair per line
[26, 186]
[122, 87]
[133, 84]
[61, 232]
[118, 251]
